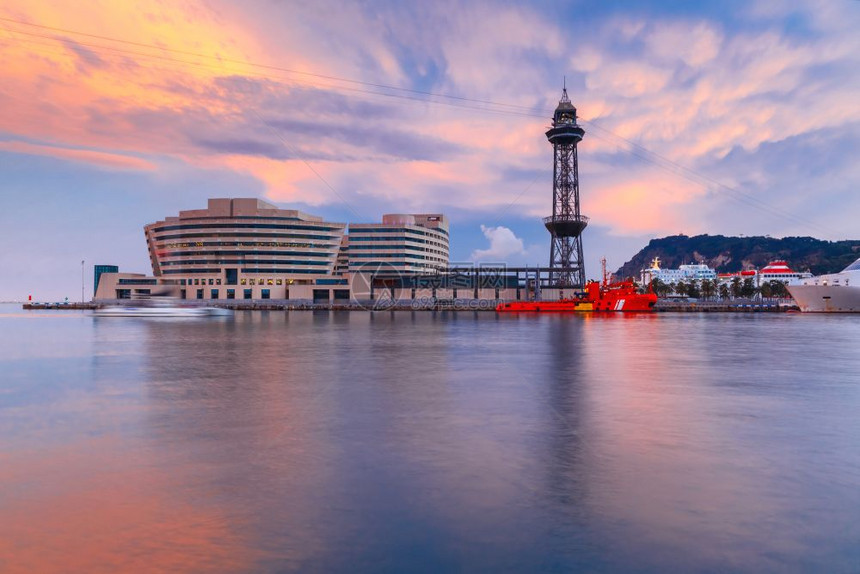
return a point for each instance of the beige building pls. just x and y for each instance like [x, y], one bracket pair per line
[402, 243]
[250, 249]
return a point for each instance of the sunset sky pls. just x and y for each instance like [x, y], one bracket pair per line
[733, 118]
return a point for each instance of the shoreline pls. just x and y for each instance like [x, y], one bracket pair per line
[483, 305]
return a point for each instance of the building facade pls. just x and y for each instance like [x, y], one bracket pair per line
[403, 243]
[243, 249]
[690, 272]
[246, 248]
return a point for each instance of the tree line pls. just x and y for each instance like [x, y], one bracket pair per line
[711, 289]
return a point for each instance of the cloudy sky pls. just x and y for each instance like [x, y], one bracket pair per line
[733, 118]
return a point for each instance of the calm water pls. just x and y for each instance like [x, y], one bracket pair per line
[396, 442]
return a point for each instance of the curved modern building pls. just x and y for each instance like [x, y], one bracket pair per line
[246, 248]
[243, 248]
[402, 243]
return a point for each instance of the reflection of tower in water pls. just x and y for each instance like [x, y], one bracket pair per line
[566, 400]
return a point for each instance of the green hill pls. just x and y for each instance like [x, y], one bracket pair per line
[732, 254]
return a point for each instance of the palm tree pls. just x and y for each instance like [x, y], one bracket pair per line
[736, 287]
[660, 288]
[708, 288]
[748, 289]
[724, 291]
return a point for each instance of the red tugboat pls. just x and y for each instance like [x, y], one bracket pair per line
[604, 296]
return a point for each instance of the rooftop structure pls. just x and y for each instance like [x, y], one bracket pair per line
[780, 271]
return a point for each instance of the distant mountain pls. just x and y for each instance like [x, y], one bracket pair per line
[732, 254]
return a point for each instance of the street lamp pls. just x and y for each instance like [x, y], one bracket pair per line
[82, 281]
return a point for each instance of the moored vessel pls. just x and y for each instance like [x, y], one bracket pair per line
[611, 296]
[831, 293]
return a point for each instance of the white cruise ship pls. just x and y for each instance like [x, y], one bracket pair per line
[834, 293]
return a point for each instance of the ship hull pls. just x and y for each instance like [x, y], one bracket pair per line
[826, 298]
[626, 303]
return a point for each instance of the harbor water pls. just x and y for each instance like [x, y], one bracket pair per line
[429, 442]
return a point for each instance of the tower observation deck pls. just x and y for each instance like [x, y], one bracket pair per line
[566, 223]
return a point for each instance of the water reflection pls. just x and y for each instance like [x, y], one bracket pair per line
[430, 442]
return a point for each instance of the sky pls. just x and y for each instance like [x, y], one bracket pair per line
[721, 118]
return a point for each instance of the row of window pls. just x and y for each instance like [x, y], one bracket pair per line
[353, 237]
[245, 244]
[418, 230]
[394, 256]
[183, 226]
[328, 255]
[214, 271]
[401, 247]
[186, 262]
[243, 281]
[231, 294]
[335, 239]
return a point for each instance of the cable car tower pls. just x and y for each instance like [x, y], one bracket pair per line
[566, 224]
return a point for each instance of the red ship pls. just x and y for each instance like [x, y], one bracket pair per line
[605, 296]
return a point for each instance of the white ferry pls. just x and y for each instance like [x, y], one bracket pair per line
[161, 307]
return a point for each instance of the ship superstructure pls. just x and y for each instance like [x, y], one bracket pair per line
[832, 293]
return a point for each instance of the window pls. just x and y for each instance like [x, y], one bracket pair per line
[243, 281]
[182, 281]
[247, 293]
[211, 281]
[252, 281]
[265, 294]
[214, 293]
[197, 281]
[231, 293]
[269, 282]
[218, 281]
[200, 293]
[320, 294]
[280, 281]
[341, 294]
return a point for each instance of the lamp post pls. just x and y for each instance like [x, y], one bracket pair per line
[82, 281]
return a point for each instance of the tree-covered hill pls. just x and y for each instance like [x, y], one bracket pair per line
[731, 254]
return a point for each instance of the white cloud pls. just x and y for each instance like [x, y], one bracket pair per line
[504, 244]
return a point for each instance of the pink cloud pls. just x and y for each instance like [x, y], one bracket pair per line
[690, 91]
[99, 158]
